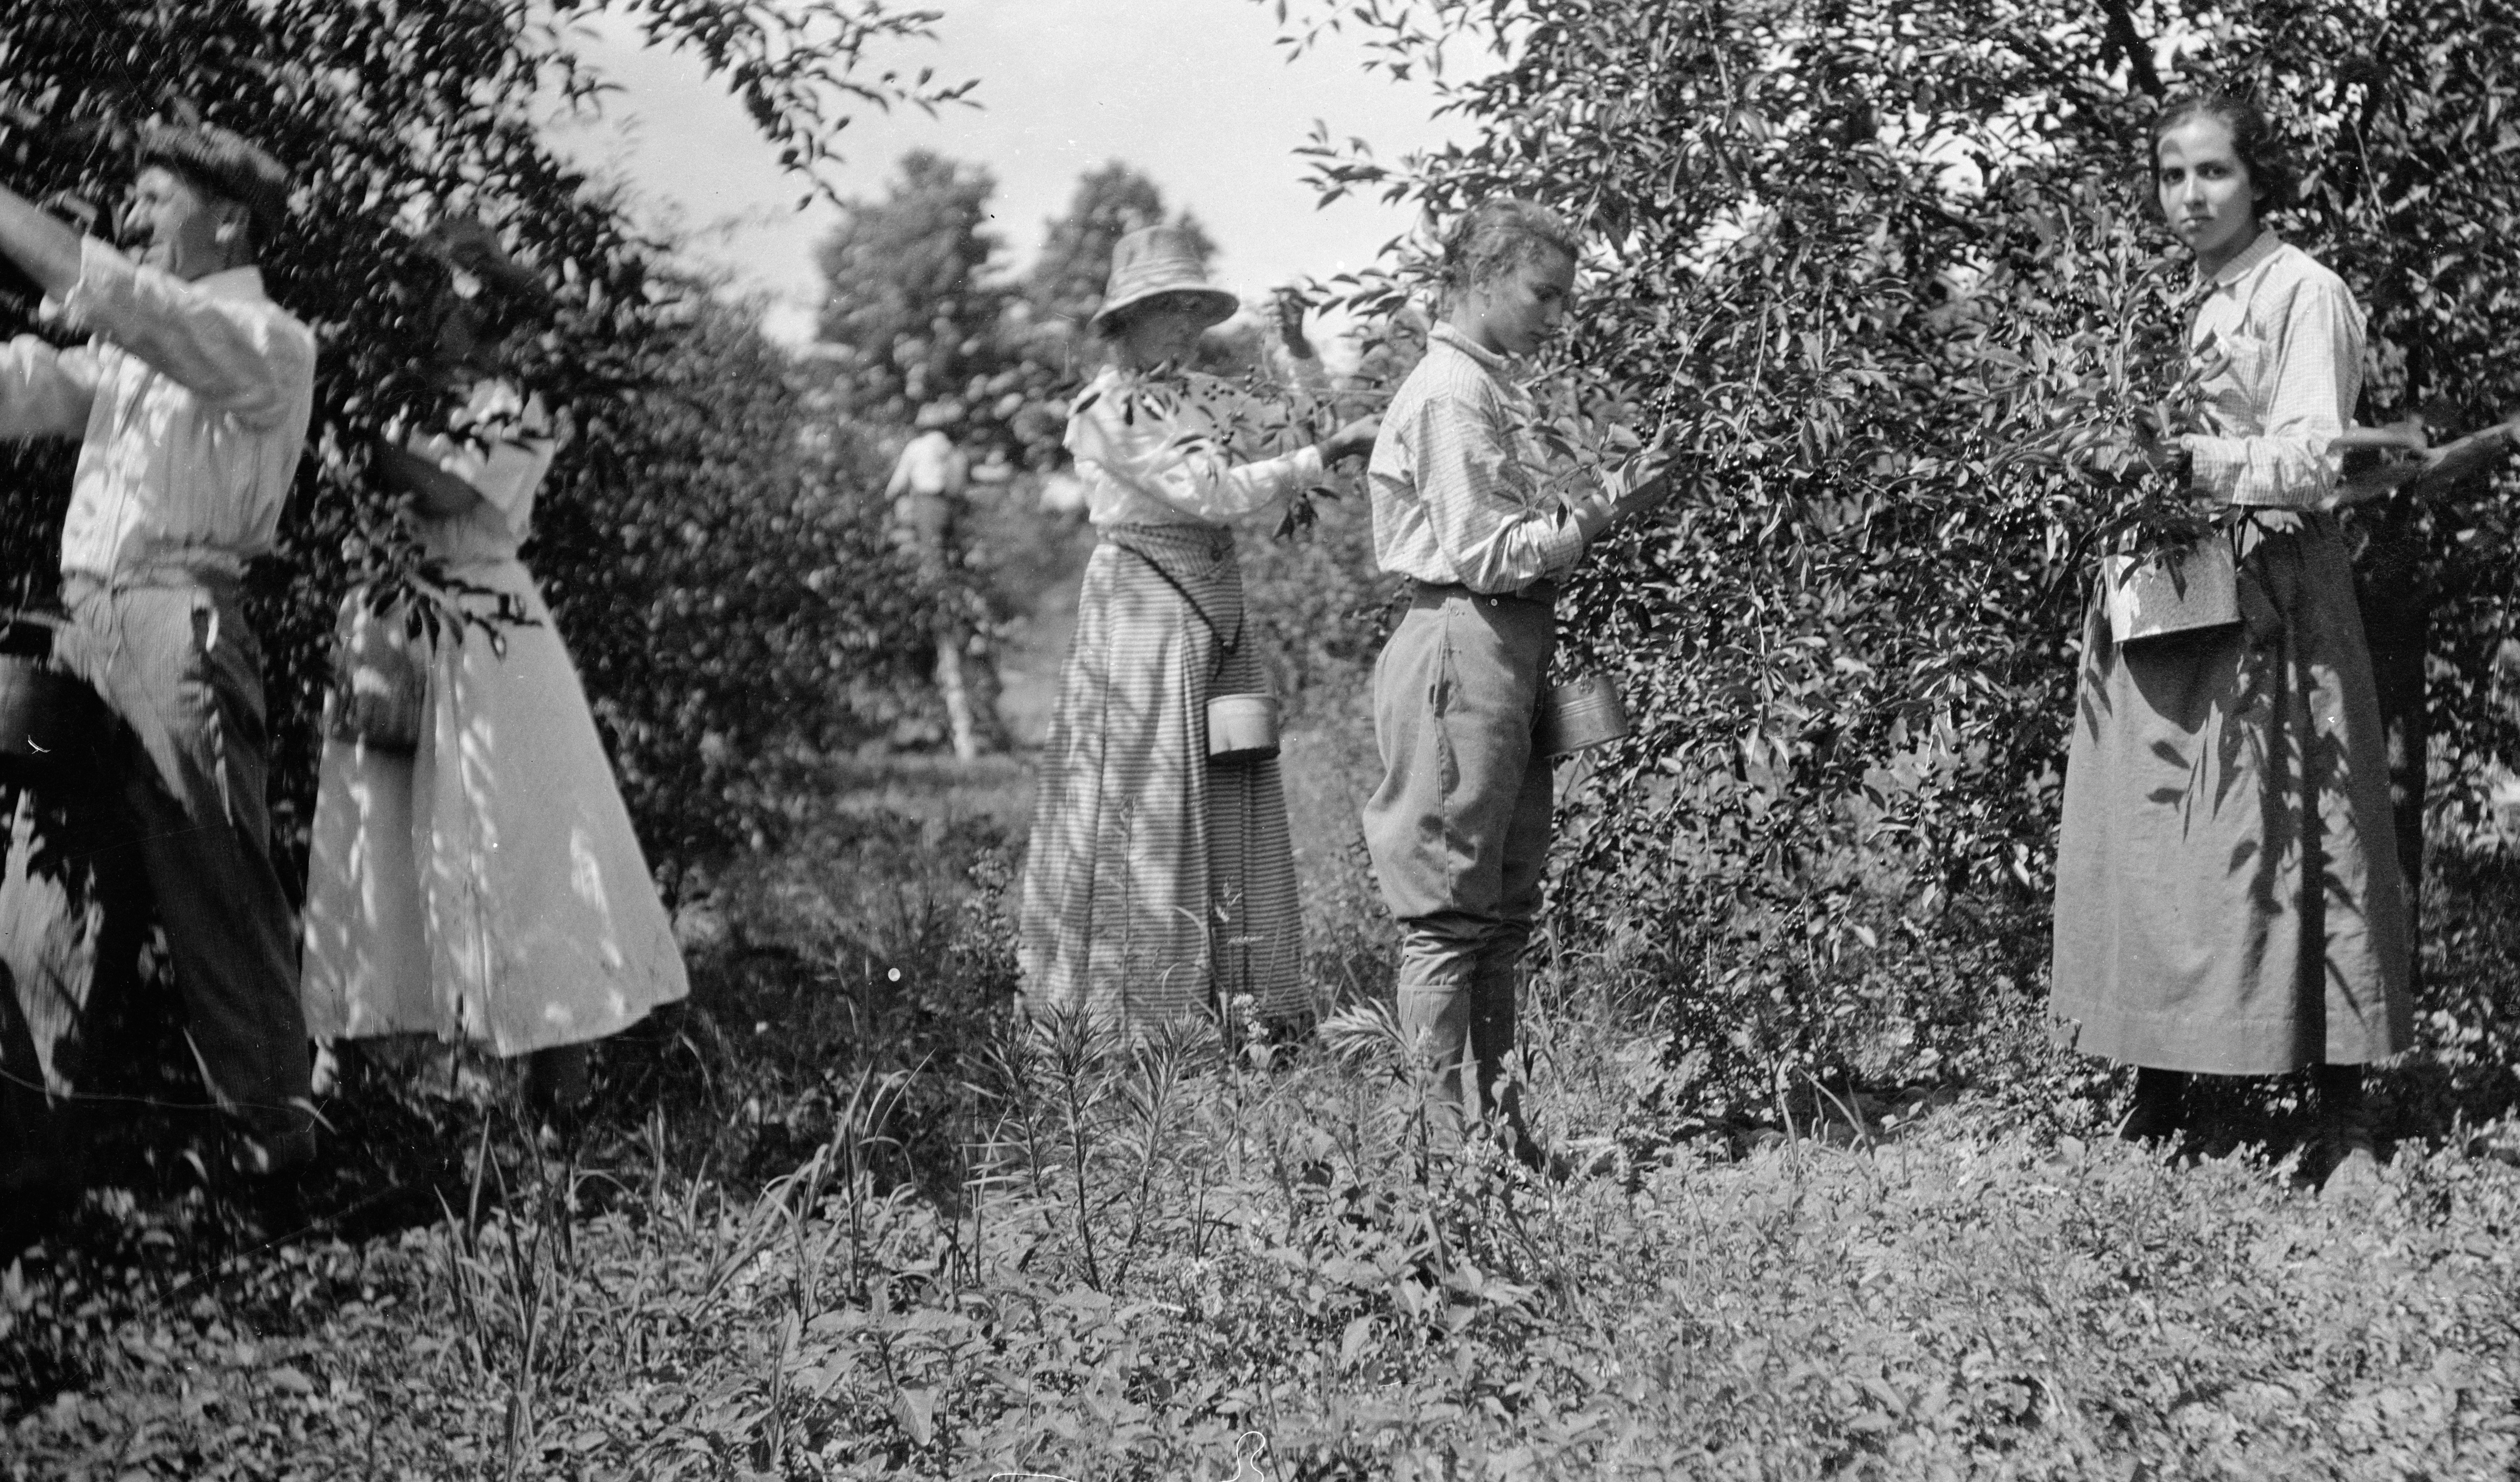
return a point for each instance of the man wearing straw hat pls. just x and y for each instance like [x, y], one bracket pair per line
[192, 403]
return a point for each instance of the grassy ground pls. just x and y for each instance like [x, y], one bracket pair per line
[839, 1220]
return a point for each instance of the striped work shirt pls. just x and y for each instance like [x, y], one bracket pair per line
[2281, 342]
[192, 401]
[1460, 489]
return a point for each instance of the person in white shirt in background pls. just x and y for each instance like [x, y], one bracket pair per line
[484, 885]
[192, 403]
[926, 489]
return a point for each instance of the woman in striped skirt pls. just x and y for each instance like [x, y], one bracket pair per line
[1157, 881]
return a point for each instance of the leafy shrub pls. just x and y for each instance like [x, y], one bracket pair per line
[662, 390]
[1885, 273]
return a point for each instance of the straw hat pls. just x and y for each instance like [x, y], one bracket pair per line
[225, 163]
[1153, 262]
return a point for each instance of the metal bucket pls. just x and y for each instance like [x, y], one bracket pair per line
[1242, 727]
[379, 678]
[1581, 713]
[47, 713]
[2174, 591]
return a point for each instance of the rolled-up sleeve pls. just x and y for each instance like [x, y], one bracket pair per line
[44, 391]
[1187, 470]
[1496, 540]
[2312, 374]
[239, 356]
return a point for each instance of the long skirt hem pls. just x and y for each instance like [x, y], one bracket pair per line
[2229, 899]
[1158, 884]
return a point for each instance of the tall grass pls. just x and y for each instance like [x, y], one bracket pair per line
[845, 1217]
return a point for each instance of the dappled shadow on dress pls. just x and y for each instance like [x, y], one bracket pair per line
[2228, 891]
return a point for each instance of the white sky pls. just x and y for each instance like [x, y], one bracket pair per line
[1193, 93]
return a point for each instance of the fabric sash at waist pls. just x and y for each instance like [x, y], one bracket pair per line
[1197, 562]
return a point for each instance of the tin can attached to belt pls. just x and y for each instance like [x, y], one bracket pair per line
[1242, 727]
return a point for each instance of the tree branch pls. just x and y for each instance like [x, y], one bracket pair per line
[2139, 56]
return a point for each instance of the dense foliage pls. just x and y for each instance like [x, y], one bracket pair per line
[1891, 274]
[389, 113]
[921, 309]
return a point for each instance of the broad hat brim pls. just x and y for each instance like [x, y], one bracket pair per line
[1216, 303]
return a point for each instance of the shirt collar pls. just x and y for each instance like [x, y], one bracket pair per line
[2252, 257]
[1488, 359]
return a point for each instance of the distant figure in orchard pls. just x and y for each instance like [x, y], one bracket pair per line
[1466, 505]
[192, 403]
[2229, 899]
[477, 879]
[1156, 880]
[926, 490]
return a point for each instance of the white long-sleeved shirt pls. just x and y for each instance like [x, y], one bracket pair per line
[1461, 491]
[1162, 455]
[2281, 339]
[500, 444]
[192, 404]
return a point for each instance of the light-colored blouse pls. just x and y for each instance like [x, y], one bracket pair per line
[500, 444]
[1160, 452]
[1463, 491]
[2280, 339]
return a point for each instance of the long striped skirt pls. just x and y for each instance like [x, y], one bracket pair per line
[1157, 883]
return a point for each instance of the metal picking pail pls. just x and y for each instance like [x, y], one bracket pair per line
[1242, 727]
[2177, 591]
[1579, 714]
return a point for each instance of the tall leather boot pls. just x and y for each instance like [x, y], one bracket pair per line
[1435, 1021]
[1493, 1016]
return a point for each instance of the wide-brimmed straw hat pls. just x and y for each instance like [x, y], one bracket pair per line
[223, 163]
[1155, 262]
[465, 242]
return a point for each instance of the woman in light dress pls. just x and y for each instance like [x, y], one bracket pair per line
[483, 886]
[2229, 899]
[1158, 883]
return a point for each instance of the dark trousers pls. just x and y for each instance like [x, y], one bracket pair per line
[182, 674]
